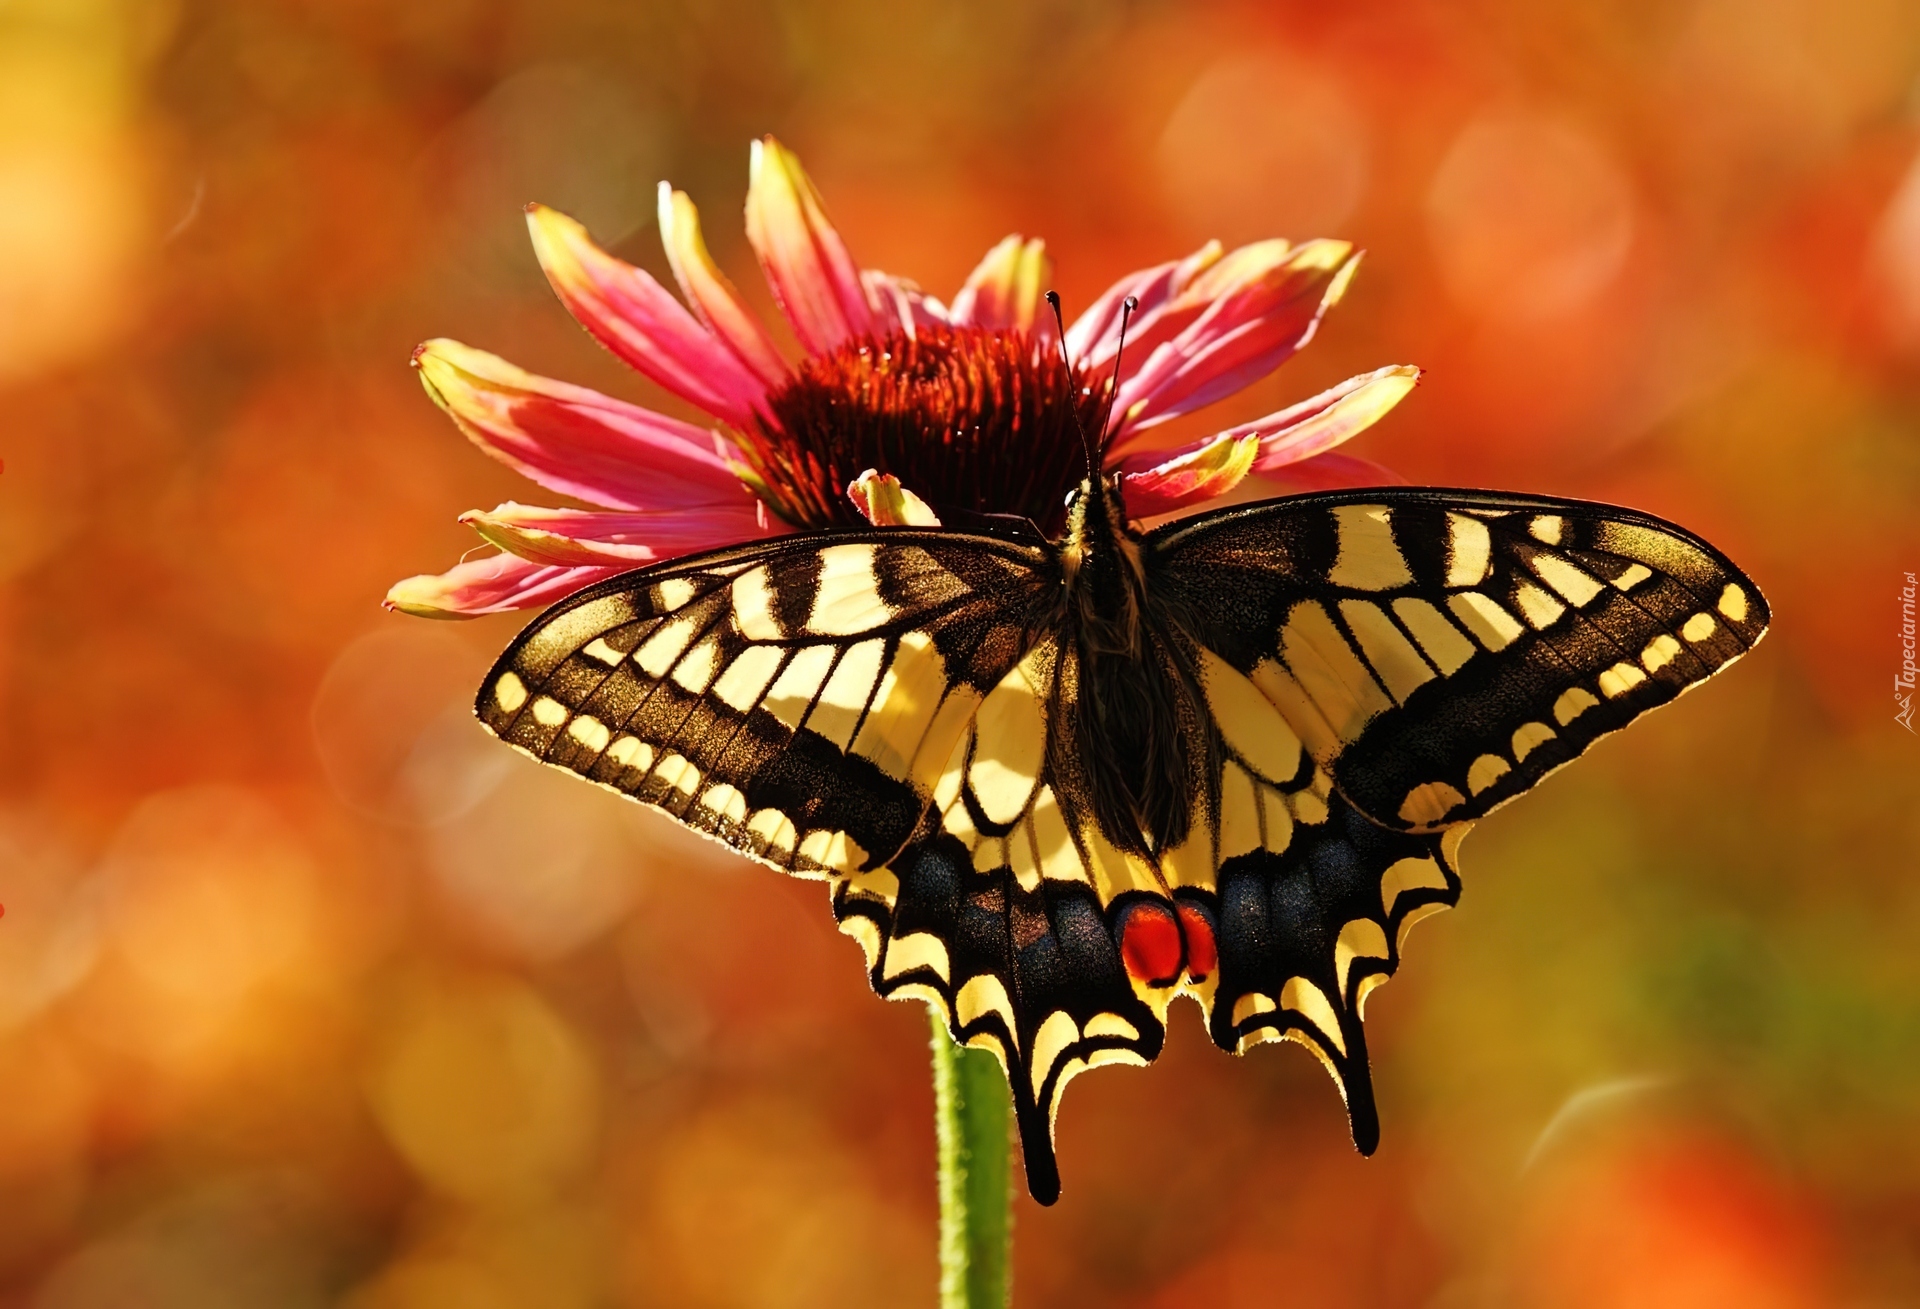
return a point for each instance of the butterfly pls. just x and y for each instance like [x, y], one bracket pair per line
[1053, 785]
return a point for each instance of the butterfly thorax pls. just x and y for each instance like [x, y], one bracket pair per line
[1133, 733]
[1101, 563]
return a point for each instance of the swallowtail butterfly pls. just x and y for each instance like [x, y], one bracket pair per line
[1053, 785]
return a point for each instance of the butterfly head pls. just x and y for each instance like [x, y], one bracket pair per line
[1097, 516]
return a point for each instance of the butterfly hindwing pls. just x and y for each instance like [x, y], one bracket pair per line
[1030, 973]
[1306, 933]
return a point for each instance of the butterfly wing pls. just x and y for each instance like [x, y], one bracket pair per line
[873, 710]
[1384, 667]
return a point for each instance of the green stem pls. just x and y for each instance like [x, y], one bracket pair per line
[976, 1177]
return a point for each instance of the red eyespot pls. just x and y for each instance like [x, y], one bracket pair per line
[1150, 944]
[1203, 955]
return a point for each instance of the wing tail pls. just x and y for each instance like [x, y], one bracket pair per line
[1307, 932]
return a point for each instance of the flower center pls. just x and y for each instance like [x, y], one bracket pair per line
[972, 421]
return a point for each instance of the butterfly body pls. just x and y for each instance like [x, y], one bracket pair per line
[1131, 717]
[1054, 785]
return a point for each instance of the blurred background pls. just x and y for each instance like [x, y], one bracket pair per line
[311, 995]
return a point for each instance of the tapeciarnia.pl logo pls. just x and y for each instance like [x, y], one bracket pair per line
[1903, 680]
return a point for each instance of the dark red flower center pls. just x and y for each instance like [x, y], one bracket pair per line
[973, 422]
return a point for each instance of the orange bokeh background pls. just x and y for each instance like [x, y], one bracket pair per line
[312, 995]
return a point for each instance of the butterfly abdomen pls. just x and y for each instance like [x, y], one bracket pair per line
[1138, 748]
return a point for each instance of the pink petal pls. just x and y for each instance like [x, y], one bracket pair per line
[883, 502]
[1327, 472]
[1005, 290]
[1095, 334]
[1190, 300]
[711, 293]
[576, 441]
[903, 306]
[1247, 331]
[1157, 482]
[1209, 469]
[572, 538]
[1329, 418]
[493, 584]
[814, 279]
[640, 321]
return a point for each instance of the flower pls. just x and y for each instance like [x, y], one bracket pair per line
[902, 410]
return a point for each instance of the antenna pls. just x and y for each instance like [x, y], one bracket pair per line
[1127, 307]
[1086, 446]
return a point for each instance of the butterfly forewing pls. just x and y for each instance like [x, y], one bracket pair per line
[795, 701]
[1442, 651]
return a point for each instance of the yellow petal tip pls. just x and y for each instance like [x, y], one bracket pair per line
[883, 502]
[416, 597]
[1337, 288]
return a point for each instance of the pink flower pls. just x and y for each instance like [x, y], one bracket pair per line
[902, 409]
